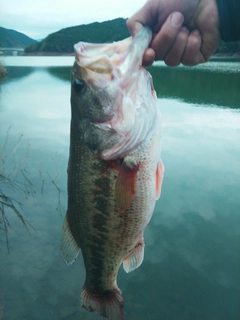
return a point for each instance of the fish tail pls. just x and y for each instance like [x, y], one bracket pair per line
[108, 305]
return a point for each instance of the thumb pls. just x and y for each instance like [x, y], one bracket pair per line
[134, 26]
[139, 19]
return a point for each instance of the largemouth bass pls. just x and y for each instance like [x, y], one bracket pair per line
[115, 170]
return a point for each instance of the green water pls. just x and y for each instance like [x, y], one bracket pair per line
[192, 253]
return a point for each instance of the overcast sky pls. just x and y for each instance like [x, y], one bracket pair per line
[38, 18]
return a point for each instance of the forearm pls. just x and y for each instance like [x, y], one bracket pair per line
[229, 14]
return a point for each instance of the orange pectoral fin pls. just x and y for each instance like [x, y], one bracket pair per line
[159, 179]
[126, 184]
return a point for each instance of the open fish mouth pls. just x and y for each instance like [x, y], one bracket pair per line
[115, 61]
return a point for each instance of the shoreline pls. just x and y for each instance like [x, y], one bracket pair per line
[225, 58]
[49, 54]
[215, 58]
[3, 71]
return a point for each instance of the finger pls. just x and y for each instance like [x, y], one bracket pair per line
[174, 55]
[192, 55]
[142, 17]
[148, 57]
[165, 38]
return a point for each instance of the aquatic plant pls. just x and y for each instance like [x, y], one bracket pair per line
[18, 181]
[13, 177]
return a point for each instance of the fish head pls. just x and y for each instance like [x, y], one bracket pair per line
[109, 89]
[94, 91]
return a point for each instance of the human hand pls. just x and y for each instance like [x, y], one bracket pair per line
[185, 31]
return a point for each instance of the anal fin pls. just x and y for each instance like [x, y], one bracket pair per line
[126, 183]
[69, 248]
[135, 258]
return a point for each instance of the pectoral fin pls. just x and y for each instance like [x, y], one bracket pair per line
[159, 179]
[126, 183]
[135, 258]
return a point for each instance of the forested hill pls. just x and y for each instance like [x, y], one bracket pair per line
[97, 32]
[14, 39]
[61, 42]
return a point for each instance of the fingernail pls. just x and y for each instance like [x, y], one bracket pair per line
[176, 19]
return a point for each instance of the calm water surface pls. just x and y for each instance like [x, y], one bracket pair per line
[192, 254]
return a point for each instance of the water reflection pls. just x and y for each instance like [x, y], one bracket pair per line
[202, 85]
[63, 73]
[15, 74]
[200, 249]
[192, 257]
[211, 84]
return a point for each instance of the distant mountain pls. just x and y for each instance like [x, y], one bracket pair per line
[97, 32]
[11, 38]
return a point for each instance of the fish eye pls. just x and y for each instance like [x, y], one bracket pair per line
[78, 85]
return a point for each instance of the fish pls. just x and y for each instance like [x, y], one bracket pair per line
[115, 171]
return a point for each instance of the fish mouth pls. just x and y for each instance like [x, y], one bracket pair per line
[118, 60]
[101, 58]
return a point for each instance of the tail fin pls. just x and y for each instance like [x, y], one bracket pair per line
[108, 305]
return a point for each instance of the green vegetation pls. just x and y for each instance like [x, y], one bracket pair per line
[11, 38]
[63, 40]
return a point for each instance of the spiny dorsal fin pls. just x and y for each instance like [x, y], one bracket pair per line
[68, 246]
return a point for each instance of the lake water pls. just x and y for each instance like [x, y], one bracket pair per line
[191, 269]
